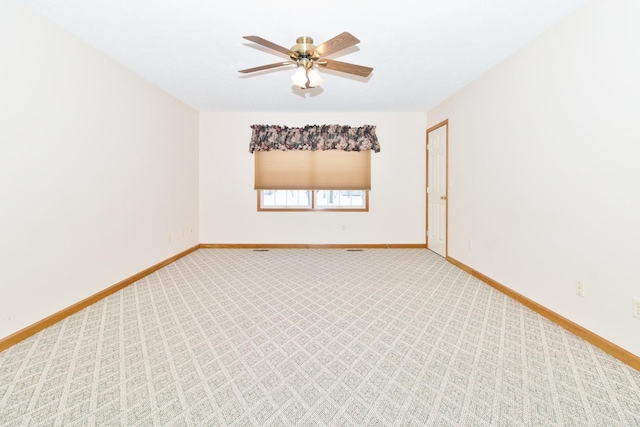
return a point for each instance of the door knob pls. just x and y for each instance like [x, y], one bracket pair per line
[443, 197]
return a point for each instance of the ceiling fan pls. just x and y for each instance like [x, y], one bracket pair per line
[305, 55]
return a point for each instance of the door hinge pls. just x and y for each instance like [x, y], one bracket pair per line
[427, 190]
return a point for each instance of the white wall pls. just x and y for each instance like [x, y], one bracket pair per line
[228, 206]
[544, 155]
[97, 168]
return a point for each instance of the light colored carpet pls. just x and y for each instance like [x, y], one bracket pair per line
[233, 337]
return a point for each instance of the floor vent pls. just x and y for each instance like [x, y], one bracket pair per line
[261, 250]
[354, 250]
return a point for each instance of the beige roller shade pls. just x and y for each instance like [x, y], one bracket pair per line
[313, 170]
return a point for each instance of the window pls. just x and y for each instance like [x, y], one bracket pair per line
[313, 200]
[325, 167]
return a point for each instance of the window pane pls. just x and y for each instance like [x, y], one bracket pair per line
[285, 199]
[340, 198]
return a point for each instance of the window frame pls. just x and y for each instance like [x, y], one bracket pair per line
[313, 207]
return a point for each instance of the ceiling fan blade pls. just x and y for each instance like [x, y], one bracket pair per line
[265, 67]
[339, 42]
[267, 43]
[345, 67]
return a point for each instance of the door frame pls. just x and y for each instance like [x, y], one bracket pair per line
[429, 130]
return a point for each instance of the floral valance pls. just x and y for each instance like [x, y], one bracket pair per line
[310, 138]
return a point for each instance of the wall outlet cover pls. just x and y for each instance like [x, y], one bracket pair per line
[636, 307]
[579, 288]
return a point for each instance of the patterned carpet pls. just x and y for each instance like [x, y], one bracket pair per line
[388, 337]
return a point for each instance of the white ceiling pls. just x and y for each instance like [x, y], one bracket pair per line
[422, 51]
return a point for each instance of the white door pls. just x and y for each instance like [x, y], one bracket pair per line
[437, 189]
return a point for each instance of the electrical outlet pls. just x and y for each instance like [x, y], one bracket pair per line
[579, 288]
[169, 239]
[470, 244]
[636, 307]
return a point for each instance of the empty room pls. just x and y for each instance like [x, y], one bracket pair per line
[413, 213]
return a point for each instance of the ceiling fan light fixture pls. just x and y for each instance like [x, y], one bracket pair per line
[314, 78]
[299, 78]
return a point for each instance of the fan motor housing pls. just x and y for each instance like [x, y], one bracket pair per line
[304, 46]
